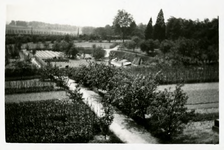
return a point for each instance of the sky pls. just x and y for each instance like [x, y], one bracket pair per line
[99, 13]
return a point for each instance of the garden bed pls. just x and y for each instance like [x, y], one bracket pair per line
[29, 86]
[50, 121]
[35, 96]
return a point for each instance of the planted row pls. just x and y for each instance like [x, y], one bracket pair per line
[50, 121]
[163, 113]
[174, 75]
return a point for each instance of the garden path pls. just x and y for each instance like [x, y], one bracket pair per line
[122, 126]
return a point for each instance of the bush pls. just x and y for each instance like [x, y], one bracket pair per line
[168, 113]
[98, 53]
[94, 75]
[20, 69]
[132, 95]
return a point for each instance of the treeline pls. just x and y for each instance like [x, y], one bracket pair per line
[183, 39]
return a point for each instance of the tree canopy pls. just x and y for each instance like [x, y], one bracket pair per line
[122, 23]
[149, 30]
[159, 28]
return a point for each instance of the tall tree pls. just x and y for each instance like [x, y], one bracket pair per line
[173, 28]
[159, 28]
[149, 30]
[123, 22]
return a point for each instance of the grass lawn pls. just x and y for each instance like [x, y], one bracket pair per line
[198, 133]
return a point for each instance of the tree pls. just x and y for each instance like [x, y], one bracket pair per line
[166, 46]
[56, 46]
[148, 46]
[122, 22]
[169, 113]
[109, 32]
[100, 32]
[73, 51]
[173, 28]
[159, 28]
[130, 45]
[98, 53]
[149, 30]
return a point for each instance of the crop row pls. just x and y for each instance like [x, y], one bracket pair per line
[30, 86]
[27, 84]
[173, 75]
[50, 121]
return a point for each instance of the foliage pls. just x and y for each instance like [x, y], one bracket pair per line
[58, 76]
[148, 47]
[178, 74]
[20, 69]
[149, 30]
[132, 95]
[50, 121]
[98, 53]
[159, 28]
[94, 75]
[131, 45]
[168, 113]
[166, 46]
[122, 22]
[136, 96]
[28, 86]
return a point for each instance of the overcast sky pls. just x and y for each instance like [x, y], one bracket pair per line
[101, 12]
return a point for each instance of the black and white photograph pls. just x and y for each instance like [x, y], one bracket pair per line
[111, 73]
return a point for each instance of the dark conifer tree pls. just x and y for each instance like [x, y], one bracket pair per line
[149, 30]
[159, 28]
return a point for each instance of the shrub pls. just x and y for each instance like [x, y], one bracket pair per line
[98, 53]
[133, 95]
[93, 75]
[168, 113]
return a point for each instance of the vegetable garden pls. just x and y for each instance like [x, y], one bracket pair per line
[50, 121]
